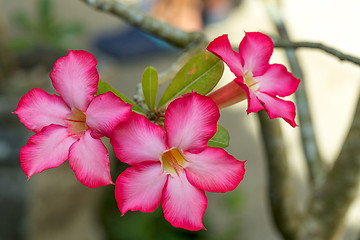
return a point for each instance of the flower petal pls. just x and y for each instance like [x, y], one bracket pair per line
[183, 204]
[89, 160]
[38, 109]
[137, 140]
[254, 105]
[48, 148]
[139, 188]
[105, 112]
[75, 78]
[214, 170]
[190, 122]
[276, 107]
[256, 49]
[221, 47]
[277, 81]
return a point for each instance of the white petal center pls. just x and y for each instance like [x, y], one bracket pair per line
[172, 161]
[250, 81]
[76, 123]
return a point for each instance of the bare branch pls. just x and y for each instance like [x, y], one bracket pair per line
[313, 159]
[146, 23]
[282, 43]
[281, 192]
[273, 8]
[329, 206]
[332, 198]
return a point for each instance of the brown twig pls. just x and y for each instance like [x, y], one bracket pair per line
[329, 206]
[334, 193]
[146, 23]
[283, 43]
[281, 192]
[309, 143]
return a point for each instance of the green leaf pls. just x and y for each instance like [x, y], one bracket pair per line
[200, 74]
[104, 87]
[150, 86]
[220, 139]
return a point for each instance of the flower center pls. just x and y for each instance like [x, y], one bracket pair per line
[172, 161]
[76, 122]
[250, 81]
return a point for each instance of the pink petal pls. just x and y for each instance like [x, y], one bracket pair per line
[46, 149]
[276, 107]
[38, 109]
[256, 49]
[105, 112]
[183, 204]
[75, 78]
[137, 140]
[221, 47]
[190, 122]
[139, 188]
[214, 170]
[254, 105]
[277, 81]
[89, 160]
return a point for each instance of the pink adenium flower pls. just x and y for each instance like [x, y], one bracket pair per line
[174, 166]
[257, 80]
[69, 126]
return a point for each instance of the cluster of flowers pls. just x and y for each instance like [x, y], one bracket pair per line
[170, 165]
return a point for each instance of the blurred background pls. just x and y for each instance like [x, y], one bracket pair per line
[54, 205]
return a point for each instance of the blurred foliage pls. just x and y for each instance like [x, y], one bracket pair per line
[44, 31]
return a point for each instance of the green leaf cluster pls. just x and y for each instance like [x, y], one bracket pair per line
[200, 74]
